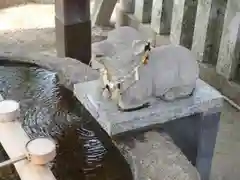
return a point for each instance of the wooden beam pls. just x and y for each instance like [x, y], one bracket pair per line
[73, 29]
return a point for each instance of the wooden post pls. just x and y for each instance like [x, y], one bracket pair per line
[143, 10]
[73, 29]
[127, 5]
[124, 7]
[183, 20]
[208, 29]
[162, 16]
[102, 12]
[229, 53]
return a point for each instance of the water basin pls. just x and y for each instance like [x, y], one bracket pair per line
[84, 150]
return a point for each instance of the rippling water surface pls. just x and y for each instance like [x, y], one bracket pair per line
[84, 151]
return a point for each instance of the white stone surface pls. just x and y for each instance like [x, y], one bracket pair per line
[113, 121]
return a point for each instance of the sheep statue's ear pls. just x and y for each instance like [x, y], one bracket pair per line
[138, 47]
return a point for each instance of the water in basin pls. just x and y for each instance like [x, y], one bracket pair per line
[84, 150]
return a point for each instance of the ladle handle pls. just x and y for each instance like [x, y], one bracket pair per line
[12, 161]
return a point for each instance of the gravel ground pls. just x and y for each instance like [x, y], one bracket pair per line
[31, 27]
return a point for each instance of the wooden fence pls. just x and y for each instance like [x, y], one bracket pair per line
[210, 28]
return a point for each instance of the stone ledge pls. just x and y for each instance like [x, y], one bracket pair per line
[204, 99]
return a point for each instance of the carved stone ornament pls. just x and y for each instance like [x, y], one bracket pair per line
[133, 72]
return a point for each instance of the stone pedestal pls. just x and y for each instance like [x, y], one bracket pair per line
[106, 112]
[192, 122]
[73, 29]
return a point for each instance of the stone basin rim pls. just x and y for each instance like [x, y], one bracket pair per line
[69, 71]
[63, 80]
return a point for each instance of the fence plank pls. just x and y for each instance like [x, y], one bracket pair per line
[122, 9]
[162, 16]
[229, 54]
[127, 5]
[102, 12]
[201, 26]
[208, 29]
[183, 20]
[143, 10]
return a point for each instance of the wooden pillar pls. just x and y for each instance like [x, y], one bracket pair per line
[127, 6]
[124, 7]
[143, 10]
[102, 12]
[73, 29]
[229, 53]
[208, 30]
[162, 16]
[183, 20]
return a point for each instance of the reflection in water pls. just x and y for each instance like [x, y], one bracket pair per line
[84, 150]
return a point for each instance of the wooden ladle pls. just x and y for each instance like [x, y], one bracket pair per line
[39, 151]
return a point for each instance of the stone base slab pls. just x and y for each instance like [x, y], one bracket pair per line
[113, 121]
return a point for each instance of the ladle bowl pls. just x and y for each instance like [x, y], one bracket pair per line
[9, 110]
[39, 151]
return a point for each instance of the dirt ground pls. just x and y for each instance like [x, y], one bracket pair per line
[31, 27]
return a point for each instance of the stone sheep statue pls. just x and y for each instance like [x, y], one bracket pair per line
[133, 73]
